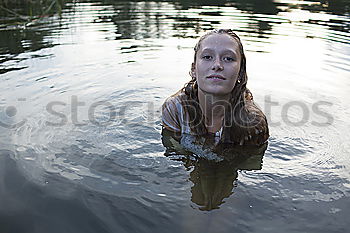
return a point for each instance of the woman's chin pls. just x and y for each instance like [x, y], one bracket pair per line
[219, 91]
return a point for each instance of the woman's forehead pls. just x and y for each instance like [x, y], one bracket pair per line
[219, 42]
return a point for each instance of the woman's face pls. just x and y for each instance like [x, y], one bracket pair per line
[217, 64]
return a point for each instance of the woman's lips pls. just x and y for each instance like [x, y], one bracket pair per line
[216, 77]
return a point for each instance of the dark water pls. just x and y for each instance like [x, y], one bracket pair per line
[81, 87]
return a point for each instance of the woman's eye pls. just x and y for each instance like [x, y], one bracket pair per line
[228, 59]
[207, 57]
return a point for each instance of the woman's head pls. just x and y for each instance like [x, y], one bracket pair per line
[226, 61]
[219, 65]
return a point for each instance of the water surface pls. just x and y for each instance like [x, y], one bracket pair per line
[81, 91]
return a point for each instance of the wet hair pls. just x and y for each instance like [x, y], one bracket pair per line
[238, 120]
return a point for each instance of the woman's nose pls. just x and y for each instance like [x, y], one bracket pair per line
[217, 65]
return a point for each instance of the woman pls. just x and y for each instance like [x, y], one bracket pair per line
[216, 103]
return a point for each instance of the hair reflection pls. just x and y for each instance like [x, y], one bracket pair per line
[214, 181]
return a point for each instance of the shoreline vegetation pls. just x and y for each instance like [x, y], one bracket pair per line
[24, 13]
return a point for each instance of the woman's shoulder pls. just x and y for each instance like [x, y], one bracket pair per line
[172, 111]
[179, 96]
[175, 101]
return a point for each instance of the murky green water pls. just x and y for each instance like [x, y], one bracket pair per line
[80, 94]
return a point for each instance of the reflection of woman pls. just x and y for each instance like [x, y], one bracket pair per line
[213, 182]
[216, 102]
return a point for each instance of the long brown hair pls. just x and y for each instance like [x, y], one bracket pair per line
[237, 119]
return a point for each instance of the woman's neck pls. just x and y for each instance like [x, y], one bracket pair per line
[213, 108]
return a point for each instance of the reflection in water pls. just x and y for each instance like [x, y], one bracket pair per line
[257, 6]
[213, 181]
[115, 178]
[15, 42]
[17, 21]
[24, 10]
[145, 19]
[149, 19]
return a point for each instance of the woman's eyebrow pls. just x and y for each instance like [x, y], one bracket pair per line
[207, 50]
[230, 52]
[225, 51]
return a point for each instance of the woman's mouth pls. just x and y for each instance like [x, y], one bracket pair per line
[216, 77]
